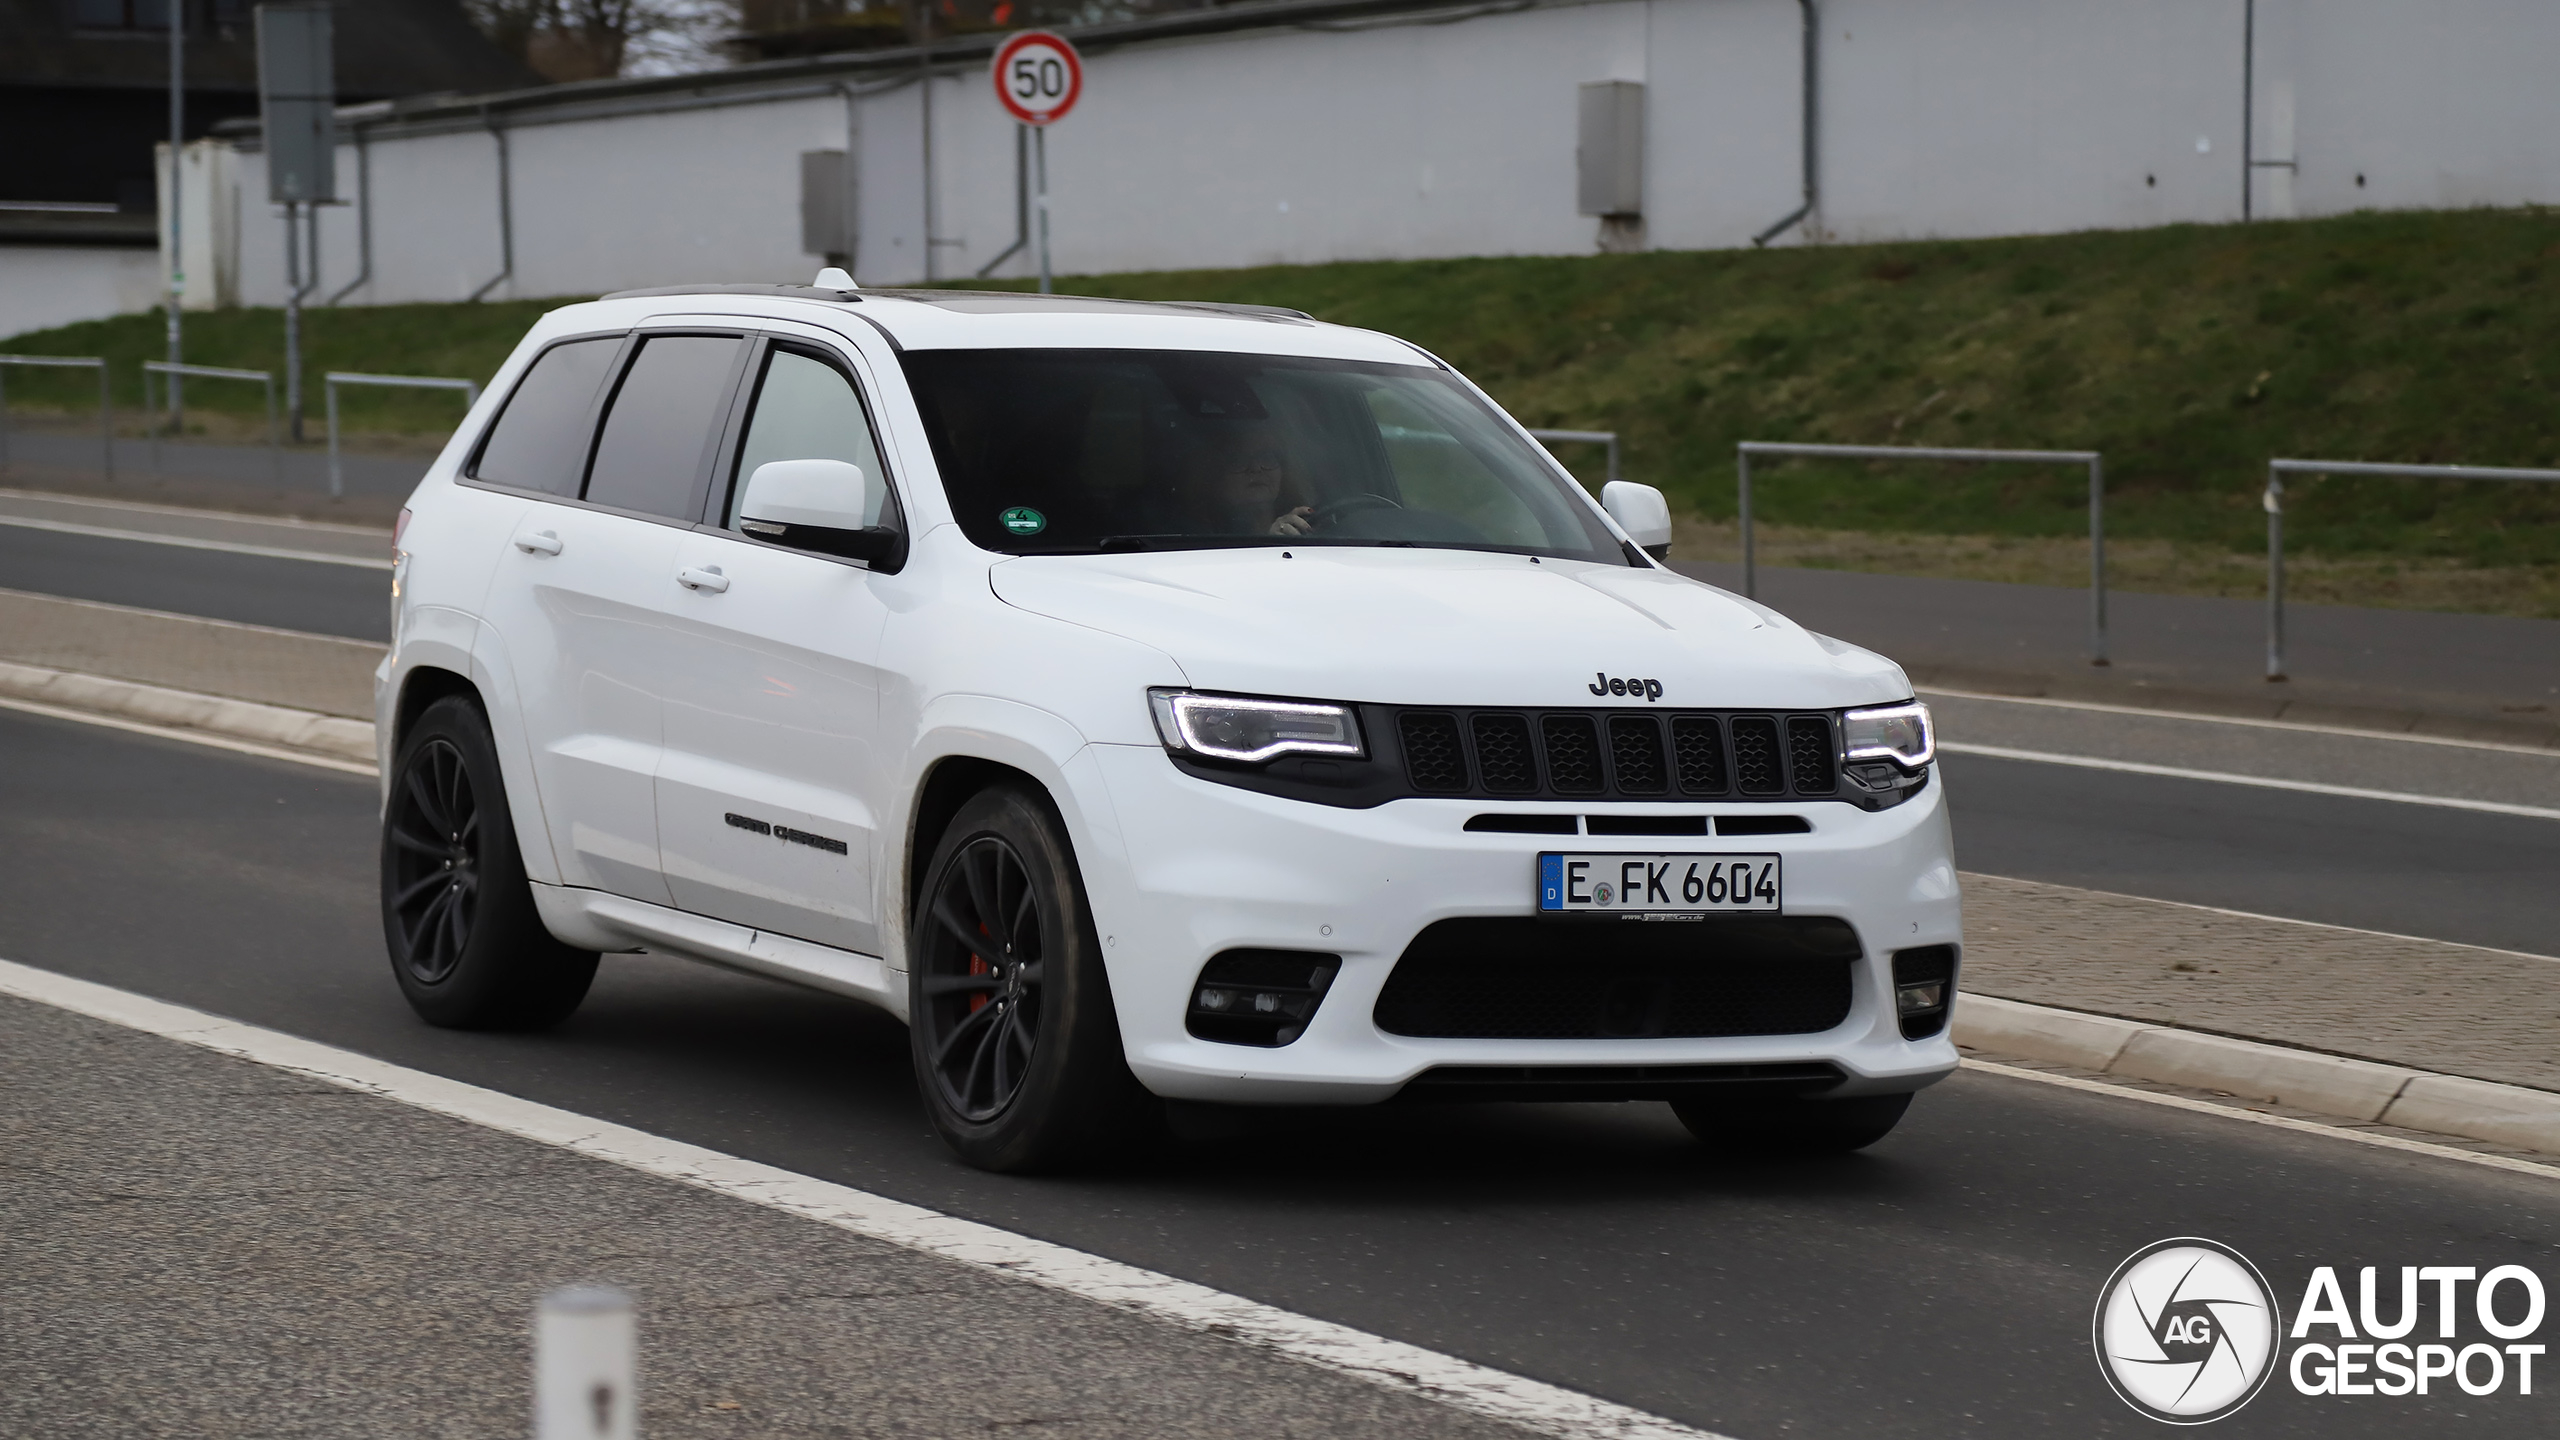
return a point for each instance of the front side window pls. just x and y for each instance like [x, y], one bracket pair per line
[807, 409]
[540, 440]
[1063, 451]
[653, 454]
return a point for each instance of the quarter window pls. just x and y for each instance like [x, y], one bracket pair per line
[540, 440]
[658, 433]
[807, 409]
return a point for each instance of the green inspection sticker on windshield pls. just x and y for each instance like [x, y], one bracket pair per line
[1023, 520]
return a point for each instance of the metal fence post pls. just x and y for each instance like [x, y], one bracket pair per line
[2097, 561]
[275, 451]
[585, 1378]
[337, 481]
[2273, 500]
[4, 424]
[1742, 508]
[150, 421]
[106, 426]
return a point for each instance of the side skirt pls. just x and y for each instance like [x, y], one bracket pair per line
[592, 919]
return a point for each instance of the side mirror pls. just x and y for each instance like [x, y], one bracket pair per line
[814, 505]
[1642, 512]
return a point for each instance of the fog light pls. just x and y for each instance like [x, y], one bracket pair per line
[1260, 997]
[1924, 981]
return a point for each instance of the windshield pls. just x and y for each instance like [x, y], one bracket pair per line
[1065, 451]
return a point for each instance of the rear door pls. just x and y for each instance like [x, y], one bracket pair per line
[578, 595]
[770, 785]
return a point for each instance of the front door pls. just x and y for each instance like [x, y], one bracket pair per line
[770, 781]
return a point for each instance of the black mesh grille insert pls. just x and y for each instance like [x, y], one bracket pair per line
[1573, 754]
[1432, 760]
[1502, 754]
[1810, 754]
[1635, 752]
[1757, 769]
[1697, 748]
[1520, 978]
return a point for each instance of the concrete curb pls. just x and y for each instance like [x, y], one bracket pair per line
[330, 735]
[2334, 1085]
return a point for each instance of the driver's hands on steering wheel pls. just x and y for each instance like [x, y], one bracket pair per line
[1294, 522]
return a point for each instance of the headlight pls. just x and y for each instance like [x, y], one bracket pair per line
[1225, 727]
[1899, 733]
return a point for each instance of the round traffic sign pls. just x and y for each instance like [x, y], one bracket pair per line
[1038, 77]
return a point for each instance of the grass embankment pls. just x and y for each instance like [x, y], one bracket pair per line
[2187, 354]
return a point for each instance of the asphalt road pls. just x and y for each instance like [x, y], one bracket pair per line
[1940, 1284]
[248, 589]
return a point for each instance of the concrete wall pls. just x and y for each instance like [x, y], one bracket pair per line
[1939, 118]
[42, 286]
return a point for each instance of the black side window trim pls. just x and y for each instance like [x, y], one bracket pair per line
[725, 411]
[595, 412]
[733, 445]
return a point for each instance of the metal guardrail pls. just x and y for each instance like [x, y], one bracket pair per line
[1584, 437]
[106, 412]
[2089, 458]
[2273, 500]
[470, 396]
[275, 449]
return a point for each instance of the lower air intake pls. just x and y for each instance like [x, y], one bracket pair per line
[1522, 978]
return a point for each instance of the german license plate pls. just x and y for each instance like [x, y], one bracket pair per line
[1635, 885]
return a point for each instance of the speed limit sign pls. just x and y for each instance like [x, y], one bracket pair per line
[1038, 77]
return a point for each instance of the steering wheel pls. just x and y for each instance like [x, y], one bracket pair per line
[1324, 516]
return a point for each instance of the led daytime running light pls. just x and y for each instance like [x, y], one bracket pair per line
[1869, 734]
[1249, 732]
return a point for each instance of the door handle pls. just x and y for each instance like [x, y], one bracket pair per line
[539, 542]
[705, 578]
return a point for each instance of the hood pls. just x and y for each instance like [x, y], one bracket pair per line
[1447, 627]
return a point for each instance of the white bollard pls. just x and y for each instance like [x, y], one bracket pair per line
[585, 1376]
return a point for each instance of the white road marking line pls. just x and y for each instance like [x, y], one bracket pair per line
[2262, 724]
[2546, 1171]
[2308, 787]
[2276, 919]
[191, 542]
[1391, 1364]
[190, 735]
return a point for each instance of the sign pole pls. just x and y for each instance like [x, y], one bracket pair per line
[177, 152]
[1040, 177]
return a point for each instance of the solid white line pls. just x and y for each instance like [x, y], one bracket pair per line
[2276, 919]
[189, 734]
[2308, 787]
[2304, 726]
[1390, 1364]
[2281, 1122]
[190, 542]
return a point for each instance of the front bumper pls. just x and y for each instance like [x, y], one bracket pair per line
[1200, 867]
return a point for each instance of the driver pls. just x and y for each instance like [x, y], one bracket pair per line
[1247, 470]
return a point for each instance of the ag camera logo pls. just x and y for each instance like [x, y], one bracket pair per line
[2186, 1331]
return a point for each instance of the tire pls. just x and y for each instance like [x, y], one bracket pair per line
[1793, 1127]
[1017, 1047]
[471, 953]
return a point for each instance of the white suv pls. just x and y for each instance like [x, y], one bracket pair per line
[1186, 701]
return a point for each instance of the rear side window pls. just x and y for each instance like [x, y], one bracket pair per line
[540, 440]
[654, 453]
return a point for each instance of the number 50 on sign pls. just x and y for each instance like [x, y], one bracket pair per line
[1038, 77]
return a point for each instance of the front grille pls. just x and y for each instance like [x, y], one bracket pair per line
[1521, 978]
[1432, 759]
[1503, 756]
[1615, 754]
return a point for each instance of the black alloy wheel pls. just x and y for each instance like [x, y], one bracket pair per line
[982, 986]
[431, 835]
[468, 947]
[1017, 1048]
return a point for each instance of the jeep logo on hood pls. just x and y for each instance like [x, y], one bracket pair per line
[1606, 685]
